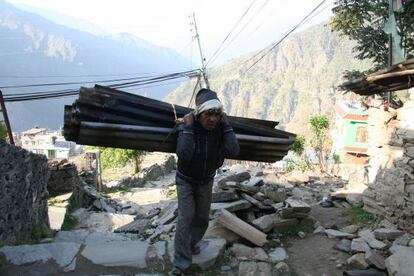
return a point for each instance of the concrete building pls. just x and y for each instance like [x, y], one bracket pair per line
[350, 136]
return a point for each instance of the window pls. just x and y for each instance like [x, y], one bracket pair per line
[361, 134]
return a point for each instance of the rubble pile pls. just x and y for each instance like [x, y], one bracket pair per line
[382, 249]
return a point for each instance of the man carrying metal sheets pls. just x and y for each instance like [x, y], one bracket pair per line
[205, 139]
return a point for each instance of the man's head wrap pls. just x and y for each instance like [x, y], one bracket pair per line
[207, 99]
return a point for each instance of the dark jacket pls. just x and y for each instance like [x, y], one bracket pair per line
[201, 152]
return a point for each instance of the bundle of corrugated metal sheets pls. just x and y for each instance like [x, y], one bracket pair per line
[393, 78]
[108, 117]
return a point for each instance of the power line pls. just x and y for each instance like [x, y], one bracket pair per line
[234, 27]
[283, 38]
[242, 28]
[94, 81]
[72, 92]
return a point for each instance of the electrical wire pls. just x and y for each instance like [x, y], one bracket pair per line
[88, 82]
[234, 27]
[275, 44]
[71, 92]
[238, 33]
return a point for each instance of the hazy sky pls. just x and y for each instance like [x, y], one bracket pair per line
[167, 22]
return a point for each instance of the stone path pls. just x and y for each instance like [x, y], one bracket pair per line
[81, 253]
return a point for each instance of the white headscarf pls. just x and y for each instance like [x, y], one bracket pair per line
[210, 104]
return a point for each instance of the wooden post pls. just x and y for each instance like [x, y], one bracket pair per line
[6, 118]
[98, 171]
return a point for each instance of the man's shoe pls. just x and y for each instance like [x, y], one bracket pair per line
[177, 272]
[198, 247]
[195, 249]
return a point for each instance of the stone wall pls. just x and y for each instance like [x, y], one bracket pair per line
[23, 193]
[390, 191]
[63, 177]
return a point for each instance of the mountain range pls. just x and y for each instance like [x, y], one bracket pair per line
[35, 50]
[294, 81]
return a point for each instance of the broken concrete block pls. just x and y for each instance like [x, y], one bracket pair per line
[344, 245]
[278, 255]
[358, 261]
[236, 177]
[244, 252]
[136, 226]
[401, 262]
[359, 245]
[267, 222]
[274, 193]
[387, 234]
[117, 253]
[298, 205]
[369, 237]
[335, 234]
[241, 204]
[224, 196]
[375, 259]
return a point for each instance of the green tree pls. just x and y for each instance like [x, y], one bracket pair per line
[363, 21]
[3, 131]
[115, 157]
[320, 142]
[299, 145]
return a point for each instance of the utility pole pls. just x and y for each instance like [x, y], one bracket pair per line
[6, 118]
[203, 65]
[390, 11]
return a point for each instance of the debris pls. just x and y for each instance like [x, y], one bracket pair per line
[242, 228]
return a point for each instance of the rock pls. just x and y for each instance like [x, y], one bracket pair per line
[282, 225]
[274, 193]
[254, 268]
[117, 253]
[335, 234]
[394, 248]
[244, 252]
[62, 253]
[157, 257]
[236, 177]
[255, 181]
[403, 240]
[76, 236]
[301, 234]
[104, 222]
[319, 230]
[401, 263]
[290, 213]
[168, 214]
[224, 196]
[216, 231]
[351, 229]
[359, 245]
[225, 268]
[278, 205]
[411, 243]
[241, 204]
[375, 259]
[298, 205]
[278, 255]
[136, 226]
[387, 234]
[369, 237]
[266, 222]
[357, 261]
[102, 237]
[282, 268]
[208, 257]
[344, 245]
